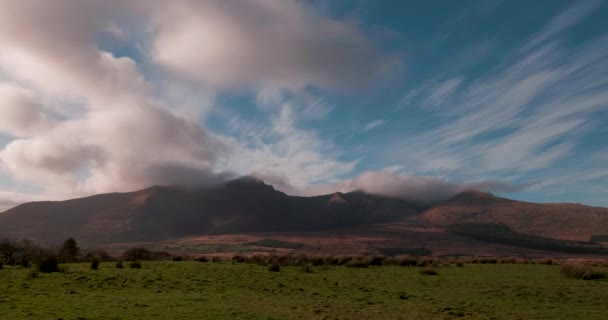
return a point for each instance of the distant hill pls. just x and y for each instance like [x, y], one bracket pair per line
[552, 220]
[243, 205]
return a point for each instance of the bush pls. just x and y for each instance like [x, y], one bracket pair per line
[216, 259]
[202, 259]
[177, 259]
[1, 265]
[135, 265]
[408, 262]
[429, 271]
[307, 268]
[358, 263]
[376, 261]
[583, 272]
[33, 274]
[48, 265]
[137, 254]
[274, 268]
[95, 264]
[239, 259]
[119, 264]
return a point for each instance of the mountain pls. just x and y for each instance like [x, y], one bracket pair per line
[565, 221]
[243, 205]
[471, 222]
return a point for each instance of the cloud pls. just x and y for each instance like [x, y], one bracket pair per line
[283, 152]
[417, 188]
[566, 19]
[265, 44]
[424, 189]
[9, 199]
[374, 124]
[527, 114]
[22, 113]
[121, 137]
[84, 119]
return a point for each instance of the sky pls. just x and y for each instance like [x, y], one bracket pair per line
[413, 99]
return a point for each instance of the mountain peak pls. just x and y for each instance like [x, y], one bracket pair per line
[475, 197]
[337, 198]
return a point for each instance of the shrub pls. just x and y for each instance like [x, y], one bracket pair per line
[119, 264]
[376, 261]
[135, 265]
[331, 261]
[581, 271]
[425, 262]
[429, 271]
[307, 268]
[95, 264]
[408, 262]
[459, 264]
[137, 254]
[258, 259]
[274, 268]
[48, 265]
[344, 260]
[1, 265]
[238, 259]
[33, 274]
[202, 259]
[317, 261]
[177, 259]
[358, 263]
[216, 259]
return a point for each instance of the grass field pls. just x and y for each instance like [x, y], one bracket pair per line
[195, 290]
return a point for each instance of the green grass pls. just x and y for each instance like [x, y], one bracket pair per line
[194, 290]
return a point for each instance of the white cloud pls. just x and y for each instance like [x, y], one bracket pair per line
[399, 185]
[283, 153]
[374, 124]
[9, 199]
[22, 113]
[264, 45]
[85, 120]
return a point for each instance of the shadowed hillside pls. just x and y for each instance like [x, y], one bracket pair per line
[240, 206]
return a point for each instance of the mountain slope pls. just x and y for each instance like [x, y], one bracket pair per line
[553, 220]
[240, 206]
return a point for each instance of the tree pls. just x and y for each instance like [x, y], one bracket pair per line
[69, 250]
[7, 251]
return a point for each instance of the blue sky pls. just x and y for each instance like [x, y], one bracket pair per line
[416, 99]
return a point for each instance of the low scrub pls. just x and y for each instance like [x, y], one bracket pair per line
[119, 264]
[95, 264]
[583, 272]
[48, 265]
[429, 271]
[135, 265]
[358, 263]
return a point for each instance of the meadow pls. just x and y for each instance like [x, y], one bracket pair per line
[229, 290]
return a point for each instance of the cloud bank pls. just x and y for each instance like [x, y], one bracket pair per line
[83, 119]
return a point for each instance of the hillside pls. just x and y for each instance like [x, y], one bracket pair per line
[240, 206]
[553, 220]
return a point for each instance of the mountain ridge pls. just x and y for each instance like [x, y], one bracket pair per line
[250, 206]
